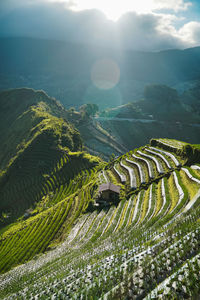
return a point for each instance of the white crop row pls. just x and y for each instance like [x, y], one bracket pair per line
[158, 165]
[141, 172]
[195, 167]
[133, 183]
[190, 175]
[161, 156]
[149, 166]
[121, 176]
[177, 163]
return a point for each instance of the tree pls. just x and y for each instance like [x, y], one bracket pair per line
[112, 157]
[89, 109]
[71, 111]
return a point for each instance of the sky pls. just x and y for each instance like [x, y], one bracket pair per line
[145, 25]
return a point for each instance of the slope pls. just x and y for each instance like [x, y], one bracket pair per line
[160, 114]
[140, 248]
[39, 151]
[97, 140]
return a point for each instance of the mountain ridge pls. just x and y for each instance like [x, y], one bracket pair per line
[39, 147]
[54, 66]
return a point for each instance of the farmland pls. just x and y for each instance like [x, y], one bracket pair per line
[143, 247]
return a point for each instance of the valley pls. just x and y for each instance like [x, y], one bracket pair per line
[60, 237]
[99, 150]
[71, 245]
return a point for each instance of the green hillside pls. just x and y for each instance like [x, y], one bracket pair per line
[40, 151]
[146, 246]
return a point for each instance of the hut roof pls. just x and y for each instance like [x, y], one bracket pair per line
[109, 186]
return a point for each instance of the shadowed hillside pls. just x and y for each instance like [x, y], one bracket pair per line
[39, 151]
[63, 70]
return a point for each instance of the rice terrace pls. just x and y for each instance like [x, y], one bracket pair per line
[145, 245]
[99, 150]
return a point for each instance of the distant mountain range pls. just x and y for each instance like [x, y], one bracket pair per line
[73, 226]
[63, 70]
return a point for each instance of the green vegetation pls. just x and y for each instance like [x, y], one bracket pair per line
[89, 109]
[36, 233]
[40, 152]
[65, 242]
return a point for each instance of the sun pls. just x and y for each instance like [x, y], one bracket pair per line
[113, 9]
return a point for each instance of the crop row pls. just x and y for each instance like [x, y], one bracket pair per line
[133, 272]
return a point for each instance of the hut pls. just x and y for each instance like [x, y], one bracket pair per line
[108, 192]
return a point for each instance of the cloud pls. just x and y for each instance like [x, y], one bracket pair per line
[176, 5]
[51, 20]
[190, 32]
[142, 6]
[149, 32]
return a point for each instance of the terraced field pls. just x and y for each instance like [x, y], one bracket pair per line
[40, 154]
[145, 247]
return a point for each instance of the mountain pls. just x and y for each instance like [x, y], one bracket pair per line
[143, 245]
[162, 113]
[97, 140]
[63, 70]
[40, 151]
[191, 97]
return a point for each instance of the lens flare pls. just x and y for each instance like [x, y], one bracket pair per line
[105, 74]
